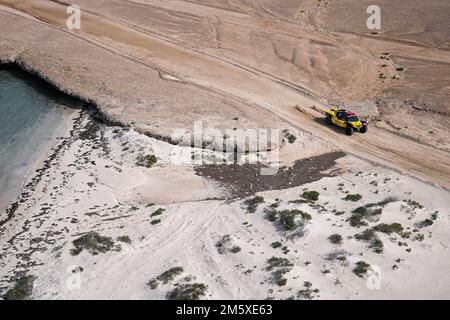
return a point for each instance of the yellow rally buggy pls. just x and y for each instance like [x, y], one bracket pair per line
[345, 119]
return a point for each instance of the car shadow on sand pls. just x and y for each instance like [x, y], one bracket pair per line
[336, 129]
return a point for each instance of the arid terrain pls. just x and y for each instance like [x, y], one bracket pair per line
[374, 227]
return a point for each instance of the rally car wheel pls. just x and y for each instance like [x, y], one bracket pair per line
[349, 130]
[364, 128]
[328, 120]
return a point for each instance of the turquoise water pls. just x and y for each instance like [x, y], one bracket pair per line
[30, 117]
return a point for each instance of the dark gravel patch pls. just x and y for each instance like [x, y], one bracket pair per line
[246, 180]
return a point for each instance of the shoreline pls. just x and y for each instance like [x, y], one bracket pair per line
[53, 125]
[39, 167]
[60, 131]
[39, 157]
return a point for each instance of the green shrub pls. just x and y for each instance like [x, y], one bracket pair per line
[406, 234]
[275, 205]
[308, 293]
[276, 262]
[22, 290]
[252, 204]
[170, 274]
[361, 211]
[361, 268]
[280, 281]
[278, 276]
[187, 291]
[335, 238]
[235, 249]
[287, 218]
[426, 223]
[376, 212]
[156, 221]
[311, 195]
[125, 239]
[276, 244]
[382, 203]
[419, 237]
[223, 244]
[94, 243]
[147, 161]
[282, 266]
[153, 284]
[340, 255]
[370, 236]
[271, 215]
[366, 235]
[356, 220]
[353, 197]
[414, 204]
[158, 212]
[292, 138]
[305, 216]
[299, 201]
[377, 245]
[78, 269]
[289, 136]
[389, 228]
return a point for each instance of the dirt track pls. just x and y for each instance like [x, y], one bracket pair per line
[250, 84]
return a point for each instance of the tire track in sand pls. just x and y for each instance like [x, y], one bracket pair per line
[252, 86]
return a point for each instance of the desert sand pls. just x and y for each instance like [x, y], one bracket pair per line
[151, 67]
[96, 186]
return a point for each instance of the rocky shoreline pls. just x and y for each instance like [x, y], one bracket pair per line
[32, 70]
